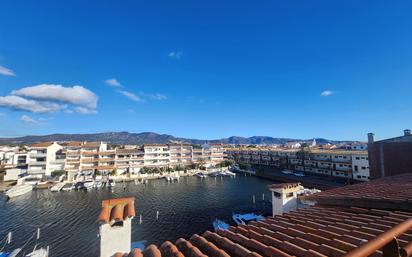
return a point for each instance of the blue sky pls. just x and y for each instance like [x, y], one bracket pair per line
[206, 69]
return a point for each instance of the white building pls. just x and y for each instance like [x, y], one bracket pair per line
[360, 167]
[156, 155]
[12, 156]
[129, 160]
[44, 158]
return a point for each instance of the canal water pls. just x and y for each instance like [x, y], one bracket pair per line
[68, 219]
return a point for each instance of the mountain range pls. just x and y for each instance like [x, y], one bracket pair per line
[153, 138]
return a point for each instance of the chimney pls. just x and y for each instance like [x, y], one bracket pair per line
[371, 138]
[284, 197]
[116, 226]
[407, 132]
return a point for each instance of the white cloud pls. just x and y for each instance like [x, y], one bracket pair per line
[154, 96]
[23, 104]
[6, 72]
[130, 95]
[28, 119]
[175, 55]
[84, 110]
[76, 95]
[113, 83]
[327, 93]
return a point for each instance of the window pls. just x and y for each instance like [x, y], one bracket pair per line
[276, 194]
[288, 195]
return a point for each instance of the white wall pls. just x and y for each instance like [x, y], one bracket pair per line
[115, 239]
[360, 167]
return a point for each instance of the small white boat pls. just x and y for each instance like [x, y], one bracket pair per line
[88, 184]
[13, 253]
[57, 187]
[98, 184]
[19, 190]
[41, 252]
[201, 175]
[67, 187]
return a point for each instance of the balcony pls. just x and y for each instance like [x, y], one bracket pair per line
[37, 155]
[35, 163]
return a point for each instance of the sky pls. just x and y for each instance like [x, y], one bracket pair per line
[206, 69]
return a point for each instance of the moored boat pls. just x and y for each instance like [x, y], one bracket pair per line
[242, 219]
[19, 190]
[88, 184]
[220, 225]
[57, 187]
[201, 175]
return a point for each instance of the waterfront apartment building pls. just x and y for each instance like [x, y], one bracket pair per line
[44, 158]
[87, 158]
[391, 156]
[129, 160]
[12, 156]
[335, 163]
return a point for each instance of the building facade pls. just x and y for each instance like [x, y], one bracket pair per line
[335, 163]
[44, 158]
[390, 156]
[88, 158]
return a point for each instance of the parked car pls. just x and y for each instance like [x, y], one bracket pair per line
[287, 172]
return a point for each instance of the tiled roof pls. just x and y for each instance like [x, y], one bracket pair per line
[42, 144]
[91, 144]
[385, 193]
[283, 185]
[74, 144]
[314, 231]
[115, 210]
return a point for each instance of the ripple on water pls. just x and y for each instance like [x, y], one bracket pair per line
[68, 219]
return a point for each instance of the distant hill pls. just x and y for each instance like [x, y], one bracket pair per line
[150, 137]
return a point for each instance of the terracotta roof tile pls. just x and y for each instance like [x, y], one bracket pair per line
[115, 210]
[390, 193]
[320, 230]
[42, 144]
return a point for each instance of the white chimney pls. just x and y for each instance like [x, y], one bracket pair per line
[284, 197]
[116, 226]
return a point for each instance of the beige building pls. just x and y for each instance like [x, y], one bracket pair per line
[336, 163]
[129, 160]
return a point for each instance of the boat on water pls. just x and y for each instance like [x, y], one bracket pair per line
[19, 190]
[88, 184]
[242, 219]
[172, 178]
[67, 187]
[220, 225]
[229, 173]
[201, 175]
[41, 252]
[98, 184]
[13, 253]
[57, 187]
[36, 252]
